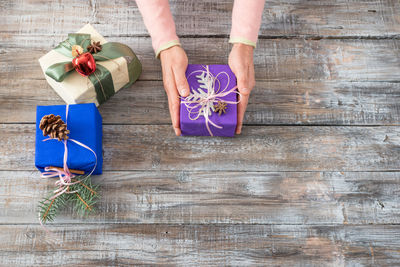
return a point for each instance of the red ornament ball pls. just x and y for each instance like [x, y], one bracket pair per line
[84, 64]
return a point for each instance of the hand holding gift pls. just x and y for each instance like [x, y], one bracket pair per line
[211, 107]
[174, 59]
[246, 20]
[174, 63]
[241, 63]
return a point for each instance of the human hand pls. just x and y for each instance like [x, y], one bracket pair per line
[241, 63]
[174, 63]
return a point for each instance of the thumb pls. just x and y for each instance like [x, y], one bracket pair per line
[180, 80]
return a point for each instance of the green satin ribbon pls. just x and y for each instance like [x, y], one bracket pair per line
[106, 89]
[101, 78]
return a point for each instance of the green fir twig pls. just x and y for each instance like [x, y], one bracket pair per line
[48, 208]
[86, 196]
[83, 200]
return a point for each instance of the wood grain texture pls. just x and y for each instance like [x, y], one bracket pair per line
[194, 245]
[144, 197]
[280, 18]
[275, 148]
[275, 60]
[271, 103]
[313, 180]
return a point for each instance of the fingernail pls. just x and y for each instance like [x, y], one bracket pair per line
[183, 91]
[239, 130]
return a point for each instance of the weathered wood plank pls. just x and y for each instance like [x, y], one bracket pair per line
[275, 148]
[271, 102]
[278, 59]
[234, 210]
[280, 18]
[144, 197]
[194, 245]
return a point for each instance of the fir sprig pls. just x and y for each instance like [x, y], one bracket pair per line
[48, 208]
[83, 199]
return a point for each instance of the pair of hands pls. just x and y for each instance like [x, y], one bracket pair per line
[174, 63]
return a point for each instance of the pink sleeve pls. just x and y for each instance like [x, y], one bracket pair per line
[159, 22]
[246, 20]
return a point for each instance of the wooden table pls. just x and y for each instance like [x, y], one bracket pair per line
[313, 179]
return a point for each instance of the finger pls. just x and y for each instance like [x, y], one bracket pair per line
[243, 81]
[242, 105]
[175, 110]
[180, 80]
[173, 100]
[242, 76]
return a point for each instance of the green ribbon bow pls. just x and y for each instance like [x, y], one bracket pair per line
[111, 50]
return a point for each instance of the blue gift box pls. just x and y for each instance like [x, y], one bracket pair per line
[85, 126]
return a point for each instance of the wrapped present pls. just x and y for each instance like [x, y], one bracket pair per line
[211, 107]
[102, 68]
[82, 124]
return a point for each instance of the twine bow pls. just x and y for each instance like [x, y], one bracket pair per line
[201, 103]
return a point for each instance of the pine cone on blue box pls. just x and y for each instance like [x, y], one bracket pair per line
[54, 127]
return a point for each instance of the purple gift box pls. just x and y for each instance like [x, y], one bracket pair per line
[208, 85]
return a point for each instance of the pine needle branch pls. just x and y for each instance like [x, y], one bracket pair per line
[48, 208]
[83, 199]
